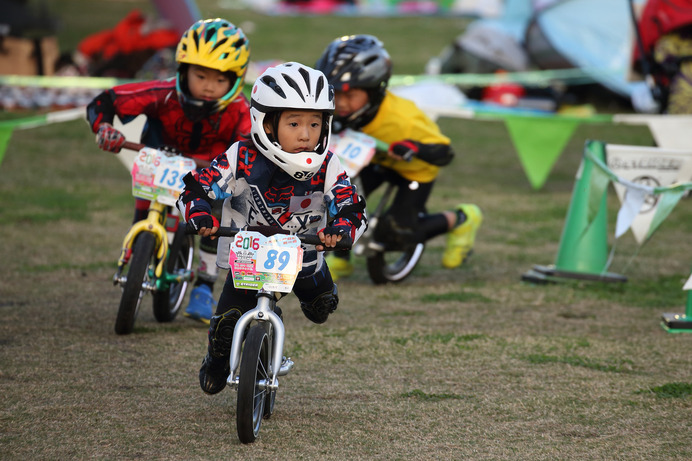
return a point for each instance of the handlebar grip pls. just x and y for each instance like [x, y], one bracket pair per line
[344, 244]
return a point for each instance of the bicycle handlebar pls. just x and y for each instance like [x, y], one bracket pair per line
[139, 146]
[267, 231]
[133, 145]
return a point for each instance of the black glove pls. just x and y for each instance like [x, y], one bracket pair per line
[201, 219]
[405, 149]
[434, 154]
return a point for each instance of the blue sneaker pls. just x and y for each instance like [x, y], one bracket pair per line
[202, 304]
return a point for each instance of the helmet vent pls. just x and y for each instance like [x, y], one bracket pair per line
[271, 83]
[209, 34]
[306, 76]
[219, 43]
[319, 87]
[293, 84]
[258, 142]
[240, 42]
[280, 160]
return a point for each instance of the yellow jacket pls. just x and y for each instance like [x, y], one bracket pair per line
[399, 119]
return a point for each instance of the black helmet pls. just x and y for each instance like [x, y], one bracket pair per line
[357, 61]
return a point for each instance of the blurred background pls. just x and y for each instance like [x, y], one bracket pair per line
[574, 56]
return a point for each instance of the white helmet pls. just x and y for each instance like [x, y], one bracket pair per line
[292, 86]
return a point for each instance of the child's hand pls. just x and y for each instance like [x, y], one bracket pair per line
[403, 150]
[329, 237]
[109, 139]
[205, 224]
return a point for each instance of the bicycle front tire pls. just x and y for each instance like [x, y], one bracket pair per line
[252, 384]
[394, 266]
[142, 254]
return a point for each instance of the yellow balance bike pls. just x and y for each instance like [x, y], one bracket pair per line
[157, 253]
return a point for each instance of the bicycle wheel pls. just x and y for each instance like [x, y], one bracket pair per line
[142, 254]
[167, 302]
[252, 385]
[394, 266]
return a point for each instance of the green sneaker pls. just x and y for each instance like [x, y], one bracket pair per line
[339, 267]
[460, 239]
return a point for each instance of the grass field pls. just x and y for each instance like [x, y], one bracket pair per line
[464, 364]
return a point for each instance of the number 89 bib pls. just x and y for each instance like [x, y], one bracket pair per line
[260, 262]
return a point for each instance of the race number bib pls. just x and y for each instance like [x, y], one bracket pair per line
[156, 176]
[260, 262]
[354, 149]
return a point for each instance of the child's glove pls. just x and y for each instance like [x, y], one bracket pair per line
[335, 230]
[202, 219]
[435, 154]
[404, 149]
[109, 139]
[332, 234]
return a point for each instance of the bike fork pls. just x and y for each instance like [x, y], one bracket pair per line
[262, 313]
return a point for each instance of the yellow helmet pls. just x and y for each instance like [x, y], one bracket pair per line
[216, 44]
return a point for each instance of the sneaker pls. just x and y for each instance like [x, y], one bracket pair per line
[214, 373]
[339, 267]
[202, 304]
[460, 239]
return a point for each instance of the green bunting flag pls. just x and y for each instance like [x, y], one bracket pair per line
[668, 196]
[7, 126]
[666, 203]
[5, 134]
[539, 142]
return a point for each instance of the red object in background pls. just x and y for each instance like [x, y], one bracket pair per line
[135, 38]
[504, 93]
[660, 17]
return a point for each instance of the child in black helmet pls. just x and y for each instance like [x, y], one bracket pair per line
[359, 68]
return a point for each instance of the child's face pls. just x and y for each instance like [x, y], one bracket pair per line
[206, 83]
[347, 102]
[298, 130]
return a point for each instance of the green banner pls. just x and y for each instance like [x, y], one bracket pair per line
[539, 77]
[539, 142]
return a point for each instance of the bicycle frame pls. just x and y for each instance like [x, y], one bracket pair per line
[153, 223]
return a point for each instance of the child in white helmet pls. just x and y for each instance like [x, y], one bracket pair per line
[284, 177]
